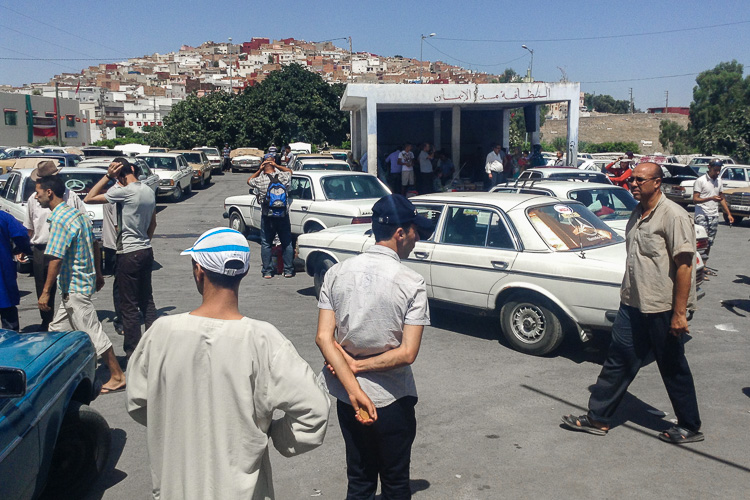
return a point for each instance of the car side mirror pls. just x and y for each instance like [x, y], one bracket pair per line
[12, 383]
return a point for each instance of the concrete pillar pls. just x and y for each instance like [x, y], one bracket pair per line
[372, 138]
[354, 129]
[572, 147]
[535, 139]
[363, 130]
[506, 129]
[456, 137]
[436, 130]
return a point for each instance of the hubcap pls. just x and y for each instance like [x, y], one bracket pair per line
[528, 324]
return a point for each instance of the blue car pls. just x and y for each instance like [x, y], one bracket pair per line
[49, 436]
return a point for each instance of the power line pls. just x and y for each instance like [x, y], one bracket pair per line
[603, 37]
[642, 79]
[54, 58]
[471, 63]
[30, 58]
[43, 40]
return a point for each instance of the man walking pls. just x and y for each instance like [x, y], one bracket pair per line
[707, 195]
[493, 166]
[75, 262]
[136, 222]
[372, 313]
[271, 186]
[227, 163]
[657, 290]
[12, 233]
[36, 222]
[206, 385]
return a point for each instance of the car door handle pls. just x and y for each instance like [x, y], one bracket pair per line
[304, 209]
[498, 264]
[421, 255]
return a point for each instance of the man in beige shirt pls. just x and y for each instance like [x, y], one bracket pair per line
[657, 290]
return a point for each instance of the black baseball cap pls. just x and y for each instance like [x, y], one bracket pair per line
[395, 209]
[716, 163]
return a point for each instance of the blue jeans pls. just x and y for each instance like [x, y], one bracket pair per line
[269, 228]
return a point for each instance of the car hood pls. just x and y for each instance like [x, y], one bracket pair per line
[247, 157]
[21, 349]
[348, 237]
[166, 174]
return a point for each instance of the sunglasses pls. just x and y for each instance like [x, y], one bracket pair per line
[640, 180]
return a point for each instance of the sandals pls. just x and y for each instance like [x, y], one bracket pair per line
[582, 424]
[680, 435]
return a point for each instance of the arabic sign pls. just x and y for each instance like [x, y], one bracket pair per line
[539, 91]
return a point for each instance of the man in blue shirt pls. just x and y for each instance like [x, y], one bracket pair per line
[11, 232]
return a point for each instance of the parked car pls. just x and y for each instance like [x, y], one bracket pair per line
[49, 436]
[175, 176]
[9, 156]
[246, 162]
[307, 162]
[585, 164]
[738, 200]
[319, 199]
[214, 157]
[146, 176]
[91, 152]
[703, 160]
[198, 161]
[337, 154]
[19, 187]
[154, 149]
[63, 159]
[735, 176]
[678, 182]
[563, 174]
[539, 265]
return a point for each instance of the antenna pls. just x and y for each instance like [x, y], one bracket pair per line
[564, 78]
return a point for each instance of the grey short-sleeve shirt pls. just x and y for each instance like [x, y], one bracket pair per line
[652, 244]
[373, 296]
[135, 205]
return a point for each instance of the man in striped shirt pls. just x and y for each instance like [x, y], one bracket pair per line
[75, 265]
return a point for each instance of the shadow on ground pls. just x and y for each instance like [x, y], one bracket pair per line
[736, 305]
[111, 475]
[742, 279]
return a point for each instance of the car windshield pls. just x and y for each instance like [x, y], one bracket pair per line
[570, 226]
[82, 182]
[193, 157]
[164, 163]
[582, 176]
[325, 166]
[210, 151]
[607, 204]
[351, 187]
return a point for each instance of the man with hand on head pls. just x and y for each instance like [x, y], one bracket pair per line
[372, 311]
[206, 385]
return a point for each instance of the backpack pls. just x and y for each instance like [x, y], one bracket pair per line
[276, 198]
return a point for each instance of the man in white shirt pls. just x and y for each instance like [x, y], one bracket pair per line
[406, 160]
[493, 166]
[559, 160]
[707, 194]
[206, 385]
[425, 169]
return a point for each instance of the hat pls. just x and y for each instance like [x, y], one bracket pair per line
[269, 156]
[45, 169]
[221, 250]
[716, 163]
[395, 209]
[272, 150]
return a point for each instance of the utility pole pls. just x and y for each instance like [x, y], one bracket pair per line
[351, 57]
[229, 49]
[666, 109]
[102, 114]
[631, 101]
[59, 114]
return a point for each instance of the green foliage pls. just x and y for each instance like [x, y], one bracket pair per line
[674, 139]
[346, 145]
[604, 103]
[606, 147]
[559, 144]
[36, 92]
[508, 76]
[45, 142]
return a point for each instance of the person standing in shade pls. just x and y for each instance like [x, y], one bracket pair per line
[273, 221]
[372, 311]
[707, 195]
[446, 167]
[657, 291]
[394, 170]
[136, 222]
[226, 152]
[537, 158]
[36, 221]
[12, 233]
[426, 172]
[75, 263]
[493, 166]
[215, 388]
[406, 161]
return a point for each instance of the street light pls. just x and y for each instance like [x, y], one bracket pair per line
[531, 63]
[229, 48]
[421, 45]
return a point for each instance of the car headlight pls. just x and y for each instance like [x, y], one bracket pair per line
[166, 182]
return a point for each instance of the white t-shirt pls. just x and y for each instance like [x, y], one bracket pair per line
[707, 187]
[494, 162]
[407, 159]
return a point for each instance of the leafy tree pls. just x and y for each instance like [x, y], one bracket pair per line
[606, 147]
[508, 76]
[674, 138]
[604, 103]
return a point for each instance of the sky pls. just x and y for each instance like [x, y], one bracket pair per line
[633, 44]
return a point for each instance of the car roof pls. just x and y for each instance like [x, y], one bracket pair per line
[314, 156]
[180, 151]
[317, 174]
[26, 172]
[327, 159]
[556, 170]
[158, 155]
[504, 201]
[560, 186]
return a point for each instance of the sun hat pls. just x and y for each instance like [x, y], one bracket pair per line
[45, 169]
[221, 250]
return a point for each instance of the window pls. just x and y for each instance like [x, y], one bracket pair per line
[734, 174]
[13, 185]
[300, 188]
[498, 235]
[29, 186]
[467, 226]
[351, 187]
[431, 213]
[607, 204]
[11, 117]
[565, 226]
[70, 120]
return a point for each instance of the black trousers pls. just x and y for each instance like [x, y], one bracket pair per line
[383, 448]
[136, 295]
[39, 265]
[634, 336]
[9, 318]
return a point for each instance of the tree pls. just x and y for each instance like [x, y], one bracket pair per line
[508, 76]
[604, 103]
[674, 138]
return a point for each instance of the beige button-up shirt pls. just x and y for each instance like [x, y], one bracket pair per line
[652, 244]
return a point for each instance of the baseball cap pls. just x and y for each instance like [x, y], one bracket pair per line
[269, 156]
[221, 250]
[45, 169]
[716, 163]
[395, 209]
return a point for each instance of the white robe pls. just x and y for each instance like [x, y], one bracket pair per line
[206, 389]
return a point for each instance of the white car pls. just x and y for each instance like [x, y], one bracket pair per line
[309, 162]
[251, 163]
[147, 177]
[537, 264]
[175, 175]
[678, 182]
[697, 161]
[563, 174]
[19, 187]
[319, 199]
[214, 157]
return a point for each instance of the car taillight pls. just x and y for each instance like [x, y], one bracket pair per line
[361, 220]
[701, 243]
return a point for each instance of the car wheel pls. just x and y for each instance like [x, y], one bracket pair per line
[530, 325]
[237, 223]
[177, 193]
[81, 452]
[320, 272]
[313, 227]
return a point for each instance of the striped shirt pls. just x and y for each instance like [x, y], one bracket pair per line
[71, 239]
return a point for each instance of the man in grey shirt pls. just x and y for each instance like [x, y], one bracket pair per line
[136, 222]
[373, 310]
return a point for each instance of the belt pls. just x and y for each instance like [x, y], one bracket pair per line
[39, 246]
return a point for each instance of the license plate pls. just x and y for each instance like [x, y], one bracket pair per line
[740, 208]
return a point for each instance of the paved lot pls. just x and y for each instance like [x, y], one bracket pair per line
[488, 417]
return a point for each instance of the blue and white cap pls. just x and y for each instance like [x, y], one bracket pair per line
[221, 250]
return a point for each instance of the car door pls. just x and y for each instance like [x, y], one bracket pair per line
[475, 249]
[421, 257]
[10, 197]
[734, 177]
[150, 179]
[186, 173]
[300, 194]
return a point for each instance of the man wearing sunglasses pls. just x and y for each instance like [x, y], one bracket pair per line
[657, 290]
